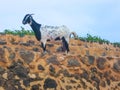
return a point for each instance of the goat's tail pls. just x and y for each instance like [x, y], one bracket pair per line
[74, 34]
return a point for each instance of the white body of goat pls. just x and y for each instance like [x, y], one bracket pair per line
[51, 33]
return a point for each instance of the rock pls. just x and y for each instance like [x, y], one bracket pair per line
[20, 88]
[53, 60]
[85, 75]
[64, 72]
[31, 42]
[13, 65]
[108, 82]
[102, 83]
[119, 84]
[94, 78]
[87, 52]
[100, 74]
[26, 82]
[101, 63]
[106, 74]
[2, 55]
[2, 70]
[88, 60]
[97, 81]
[10, 87]
[83, 84]
[35, 87]
[15, 43]
[96, 85]
[73, 62]
[60, 49]
[77, 76]
[50, 45]
[3, 42]
[12, 56]
[68, 87]
[104, 54]
[2, 81]
[27, 56]
[112, 78]
[16, 82]
[24, 44]
[72, 81]
[19, 69]
[93, 70]
[35, 79]
[50, 83]
[116, 66]
[91, 60]
[52, 69]
[109, 57]
[10, 75]
[36, 49]
[40, 67]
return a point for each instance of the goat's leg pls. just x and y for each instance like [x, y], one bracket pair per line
[43, 46]
[65, 44]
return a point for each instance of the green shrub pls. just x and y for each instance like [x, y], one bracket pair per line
[21, 32]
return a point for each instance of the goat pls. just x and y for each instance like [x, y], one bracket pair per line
[44, 33]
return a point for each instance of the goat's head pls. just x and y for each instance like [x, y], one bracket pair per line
[27, 19]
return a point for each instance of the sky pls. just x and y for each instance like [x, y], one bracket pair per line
[96, 17]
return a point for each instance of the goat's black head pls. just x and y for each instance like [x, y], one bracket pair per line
[27, 19]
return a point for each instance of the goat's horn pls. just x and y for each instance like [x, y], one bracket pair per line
[31, 14]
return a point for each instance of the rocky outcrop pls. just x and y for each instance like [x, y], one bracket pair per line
[23, 66]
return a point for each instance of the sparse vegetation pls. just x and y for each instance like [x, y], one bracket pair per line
[98, 39]
[88, 38]
[91, 38]
[21, 32]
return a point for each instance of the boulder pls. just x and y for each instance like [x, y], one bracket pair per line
[101, 63]
[53, 60]
[27, 56]
[73, 62]
[49, 83]
[116, 66]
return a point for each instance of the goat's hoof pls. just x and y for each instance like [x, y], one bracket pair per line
[43, 53]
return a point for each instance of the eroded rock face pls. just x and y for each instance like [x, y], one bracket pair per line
[84, 68]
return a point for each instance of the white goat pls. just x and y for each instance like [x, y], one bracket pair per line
[44, 33]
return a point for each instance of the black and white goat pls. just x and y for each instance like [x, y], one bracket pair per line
[44, 33]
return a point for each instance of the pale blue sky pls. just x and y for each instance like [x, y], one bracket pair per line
[97, 17]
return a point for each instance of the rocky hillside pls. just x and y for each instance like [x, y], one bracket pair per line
[88, 66]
